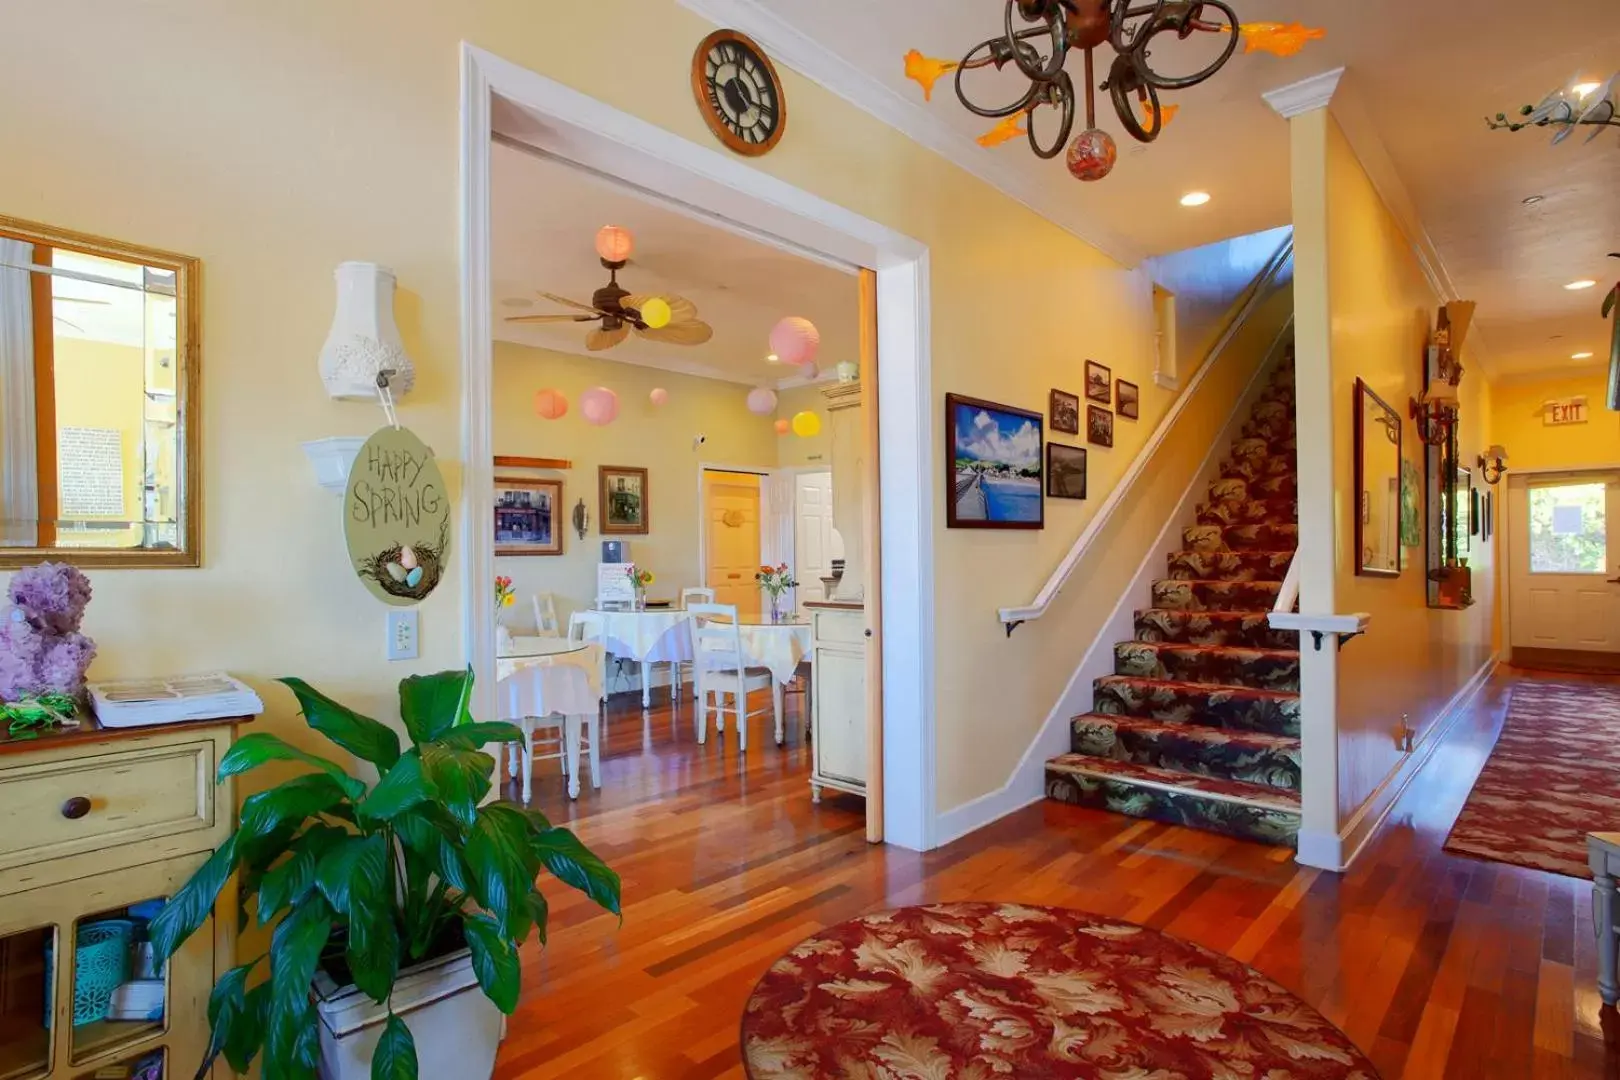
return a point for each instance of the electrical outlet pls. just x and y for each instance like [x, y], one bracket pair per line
[403, 643]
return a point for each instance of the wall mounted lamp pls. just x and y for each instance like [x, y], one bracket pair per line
[1435, 413]
[1492, 464]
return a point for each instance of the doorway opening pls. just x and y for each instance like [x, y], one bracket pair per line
[1563, 557]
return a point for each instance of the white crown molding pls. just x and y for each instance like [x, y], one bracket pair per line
[1303, 96]
[791, 47]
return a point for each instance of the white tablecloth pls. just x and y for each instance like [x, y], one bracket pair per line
[659, 637]
[525, 652]
[777, 646]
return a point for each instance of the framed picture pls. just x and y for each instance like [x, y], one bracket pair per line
[1099, 383]
[622, 509]
[1099, 426]
[993, 475]
[1490, 515]
[1476, 513]
[1065, 410]
[528, 516]
[1128, 399]
[1065, 471]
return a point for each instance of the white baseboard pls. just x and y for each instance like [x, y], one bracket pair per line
[1330, 851]
[1027, 784]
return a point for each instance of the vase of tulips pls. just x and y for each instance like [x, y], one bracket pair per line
[639, 579]
[505, 597]
[776, 581]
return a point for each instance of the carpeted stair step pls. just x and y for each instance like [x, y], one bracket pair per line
[1245, 756]
[1255, 468]
[1236, 708]
[1240, 629]
[1248, 512]
[1246, 811]
[1231, 489]
[1216, 595]
[1217, 665]
[1270, 537]
[1229, 565]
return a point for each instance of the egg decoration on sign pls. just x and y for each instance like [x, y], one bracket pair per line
[659, 396]
[783, 427]
[397, 518]
[550, 405]
[806, 425]
[795, 340]
[599, 406]
[761, 402]
[408, 570]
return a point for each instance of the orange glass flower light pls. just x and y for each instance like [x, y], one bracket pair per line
[926, 71]
[1278, 39]
[614, 243]
[1168, 112]
[1010, 128]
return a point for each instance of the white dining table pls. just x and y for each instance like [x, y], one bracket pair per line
[651, 636]
[541, 677]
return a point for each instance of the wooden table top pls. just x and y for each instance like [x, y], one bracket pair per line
[89, 730]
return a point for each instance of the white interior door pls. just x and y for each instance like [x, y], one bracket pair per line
[1564, 566]
[813, 537]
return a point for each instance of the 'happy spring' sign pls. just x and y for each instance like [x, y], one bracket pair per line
[396, 518]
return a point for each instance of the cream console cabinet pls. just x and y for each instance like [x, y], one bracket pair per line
[838, 703]
[97, 828]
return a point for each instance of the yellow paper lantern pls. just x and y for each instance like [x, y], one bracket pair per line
[807, 425]
[656, 314]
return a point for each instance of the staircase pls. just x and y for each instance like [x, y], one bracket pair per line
[1199, 724]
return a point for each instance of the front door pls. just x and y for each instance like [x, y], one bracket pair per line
[1564, 562]
[731, 519]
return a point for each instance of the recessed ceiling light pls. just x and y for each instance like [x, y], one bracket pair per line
[1580, 356]
[1584, 283]
[1584, 88]
[1195, 198]
[773, 359]
[1531, 200]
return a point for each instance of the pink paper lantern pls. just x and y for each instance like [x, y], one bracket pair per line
[614, 243]
[550, 405]
[783, 427]
[795, 340]
[761, 402]
[659, 396]
[599, 406]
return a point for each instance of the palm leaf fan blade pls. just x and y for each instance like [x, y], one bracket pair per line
[691, 332]
[600, 339]
[551, 318]
[680, 308]
[565, 302]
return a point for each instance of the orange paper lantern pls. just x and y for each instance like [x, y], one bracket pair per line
[550, 405]
[783, 427]
[614, 243]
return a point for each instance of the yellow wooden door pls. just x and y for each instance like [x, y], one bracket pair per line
[731, 511]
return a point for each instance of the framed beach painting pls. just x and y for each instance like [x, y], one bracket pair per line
[622, 508]
[993, 476]
[1099, 383]
[527, 516]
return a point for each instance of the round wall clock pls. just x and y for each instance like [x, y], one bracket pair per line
[739, 93]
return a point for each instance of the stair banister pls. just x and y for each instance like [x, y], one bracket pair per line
[1013, 617]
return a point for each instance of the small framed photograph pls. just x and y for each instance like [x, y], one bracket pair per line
[1099, 383]
[527, 518]
[1065, 410]
[623, 508]
[1128, 399]
[1065, 471]
[1099, 426]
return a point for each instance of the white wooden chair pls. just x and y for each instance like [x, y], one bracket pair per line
[719, 668]
[545, 615]
[688, 598]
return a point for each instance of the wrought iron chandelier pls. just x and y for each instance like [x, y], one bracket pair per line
[1039, 35]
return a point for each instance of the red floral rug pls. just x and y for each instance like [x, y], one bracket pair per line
[983, 991]
[1553, 777]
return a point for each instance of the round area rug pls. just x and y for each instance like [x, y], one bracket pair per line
[982, 991]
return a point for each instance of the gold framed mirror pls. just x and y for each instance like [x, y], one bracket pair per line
[100, 463]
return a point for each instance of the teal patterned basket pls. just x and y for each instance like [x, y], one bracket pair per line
[100, 966]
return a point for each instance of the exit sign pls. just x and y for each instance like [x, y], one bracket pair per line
[1564, 411]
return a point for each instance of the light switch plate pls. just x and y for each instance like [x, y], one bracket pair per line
[403, 642]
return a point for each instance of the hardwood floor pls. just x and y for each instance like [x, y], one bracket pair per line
[1440, 967]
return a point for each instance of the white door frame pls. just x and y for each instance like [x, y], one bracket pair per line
[723, 187]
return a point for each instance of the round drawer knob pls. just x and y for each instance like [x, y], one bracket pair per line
[76, 808]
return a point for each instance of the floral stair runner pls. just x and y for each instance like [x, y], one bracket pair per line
[1199, 724]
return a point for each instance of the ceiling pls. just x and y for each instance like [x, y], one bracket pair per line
[545, 215]
[1424, 74]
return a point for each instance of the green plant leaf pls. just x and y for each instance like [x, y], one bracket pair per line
[348, 865]
[572, 863]
[189, 907]
[395, 1056]
[247, 1033]
[225, 1007]
[404, 786]
[251, 751]
[359, 735]
[503, 864]
[462, 777]
[540, 912]
[431, 705]
[293, 801]
[295, 949]
[494, 961]
[438, 842]
[289, 881]
[473, 736]
[356, 879]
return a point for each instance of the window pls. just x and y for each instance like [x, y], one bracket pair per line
[1165, 373]
[1569, 529]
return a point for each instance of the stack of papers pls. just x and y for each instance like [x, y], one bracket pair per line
[140, 702]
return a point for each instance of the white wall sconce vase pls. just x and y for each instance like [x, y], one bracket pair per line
[364, 338]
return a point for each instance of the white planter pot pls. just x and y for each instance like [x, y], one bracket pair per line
[457, 1029]
[364, 338]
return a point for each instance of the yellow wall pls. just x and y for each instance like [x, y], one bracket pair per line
[1517, 424]
[100, 384]
[645, 436]
[290, 137]
[1413, 658]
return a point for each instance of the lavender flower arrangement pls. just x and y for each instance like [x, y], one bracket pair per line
[43, 657]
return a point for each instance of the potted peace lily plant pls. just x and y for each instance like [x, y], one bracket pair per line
[398, 901]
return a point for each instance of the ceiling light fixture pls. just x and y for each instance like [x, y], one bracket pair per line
[1577, 286]
[1195, 198]
[1037, 39]
[773, 359]
[1580, 356]
[1584, 88]
[1590, 104]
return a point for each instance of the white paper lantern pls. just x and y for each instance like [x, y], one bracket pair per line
[761, 402]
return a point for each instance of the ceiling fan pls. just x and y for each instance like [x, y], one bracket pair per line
[620, 311]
